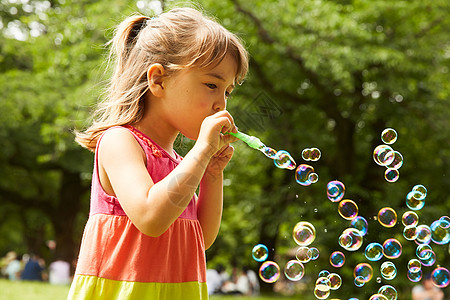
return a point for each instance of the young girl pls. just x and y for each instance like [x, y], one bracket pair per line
[147, 231]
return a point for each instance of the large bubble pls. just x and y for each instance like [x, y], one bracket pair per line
[364, 270]
[360, 224]
[335, 190]
[392, 248]
[410, 218]
[305, 175]
[391, 175]
[269, 272]
[304, 233]
[311, 154]
[383, 155]
[348, 209]
[337, 259]
[440, 231]
[335, 281]
[322, 288]
[414, 200]
[260, 252]
[374, 251]
[423, 234]
[284, 160]
[387, 217]
[294, 270]
[397, 163]
[354, 236]
[440, 277]
[388, 291]
[388, 270]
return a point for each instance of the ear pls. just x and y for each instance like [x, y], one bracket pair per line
[155, 77]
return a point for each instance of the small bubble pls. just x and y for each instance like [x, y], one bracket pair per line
[269, 272]
[389, 136]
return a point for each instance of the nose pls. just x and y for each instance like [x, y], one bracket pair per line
[220, 104]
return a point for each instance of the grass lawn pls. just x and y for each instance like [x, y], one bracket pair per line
[22, 290]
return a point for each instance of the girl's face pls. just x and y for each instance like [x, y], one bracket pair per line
[195, 93]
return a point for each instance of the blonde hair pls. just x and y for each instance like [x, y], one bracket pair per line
[177, 39]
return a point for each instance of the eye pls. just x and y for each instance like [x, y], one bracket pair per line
[211, 85]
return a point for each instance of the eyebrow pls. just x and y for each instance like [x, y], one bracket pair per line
[218, 76]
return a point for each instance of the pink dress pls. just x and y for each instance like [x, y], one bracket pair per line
[117, 261]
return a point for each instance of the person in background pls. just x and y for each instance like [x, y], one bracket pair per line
[59, 272]
[427, 291]
[13, 267]
[33, 269]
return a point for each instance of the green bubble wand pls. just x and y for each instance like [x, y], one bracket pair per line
[251, 141]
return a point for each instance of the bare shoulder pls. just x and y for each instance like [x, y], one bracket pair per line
[119, 142]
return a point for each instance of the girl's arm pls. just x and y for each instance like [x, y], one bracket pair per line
[153, 207]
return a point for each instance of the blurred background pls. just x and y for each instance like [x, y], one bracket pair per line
[326, 74]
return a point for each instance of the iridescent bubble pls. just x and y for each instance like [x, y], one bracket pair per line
[294, 270]
[348, 209]
[322, 288]
[445, 222]
[410, 218]
[423, 234]
[440, 234]
[414, 276]
[391, 175]
[260, 252]
[345, 240]
[414, 265]
[378, 279]
[440, 277]
[269, 152]
[335, 281]
[335, 190]
[389, 136]
[356, 239]
[306, 154]
[388, 270]
[337, 259]
[323, 273]
[397, 163]
[422, 190]
[359, 281]
[269, 272]
[413, 200]
[303, 174]
[383, 155]
[360, 224]
[374, 251]
[410, 232]
[392, 248]
[378, 297]
[430, 258]
[388, 291]
[387, 217]
[312, 154]
[304, 233]
[364, 270]
[302, 254]
[313, 177]
[313, 253]
[284, 160]
[423, 251]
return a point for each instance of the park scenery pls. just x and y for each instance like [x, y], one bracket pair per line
[338, 186]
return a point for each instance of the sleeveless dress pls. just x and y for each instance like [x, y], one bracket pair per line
[117, 261]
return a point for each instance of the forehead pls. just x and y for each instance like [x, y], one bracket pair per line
[225, 70]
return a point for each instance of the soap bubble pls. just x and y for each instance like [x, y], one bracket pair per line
[445, 222]
[313, 177]
[389, 136]
[378, 297]
[269, 272]
[337, 259]
[345, 240]
[414, 200]
[312, 154]
[335, 190]
[360, 224]
[440, 277]
[322, 288]
[422, 190]
[294, 270]
[269, 152]
[397, 163]
[410, 232]
[359, 281]
[423, 234]
[313, 253]
[392, 248]
[260, 253]
[410, 218]
[304, 174]
[387, 217]
[388, 270]
[356, 239]
[391, 175]
[378, 279]
[323, 273]
[440, 232]
[364, 270]
[414, 276]
[414, 265]
[304, 233]
[383, 155]
[335, 281]
[374, 251]
[302, 254]
[284, 160]
[430, 258]
[423, 251]
[388, 291]
[348, 209]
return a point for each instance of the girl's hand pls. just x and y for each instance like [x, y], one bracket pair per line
[212, 132]
[219, 161]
